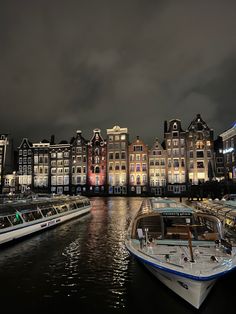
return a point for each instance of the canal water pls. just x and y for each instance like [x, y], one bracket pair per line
[83, 266]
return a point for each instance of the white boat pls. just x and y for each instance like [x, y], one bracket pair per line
[25, 217]
[182, 247]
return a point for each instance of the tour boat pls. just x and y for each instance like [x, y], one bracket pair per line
[184, 248]
[224, 209]
[25, 217]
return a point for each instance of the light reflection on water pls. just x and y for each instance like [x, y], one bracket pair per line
[84, 264]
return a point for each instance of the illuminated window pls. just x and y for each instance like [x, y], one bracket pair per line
[200, 164]
[59, 155]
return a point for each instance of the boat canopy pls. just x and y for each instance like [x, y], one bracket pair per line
[170, 208]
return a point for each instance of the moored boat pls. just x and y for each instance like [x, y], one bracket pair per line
[224, 209]
[25, 217]
[184, 248]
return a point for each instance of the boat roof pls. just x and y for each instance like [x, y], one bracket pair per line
[217, 206]
[24, 205]
[170, 207]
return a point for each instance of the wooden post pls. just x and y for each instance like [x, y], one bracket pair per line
[190, 243]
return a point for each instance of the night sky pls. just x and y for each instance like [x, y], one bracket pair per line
[73, 64]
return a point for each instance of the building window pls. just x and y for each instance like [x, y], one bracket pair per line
[138, 148]
[138, 180]
[123, 167]
[209, 154]
[200, 164]
[199, 153]
[78, 169]
[176, 163]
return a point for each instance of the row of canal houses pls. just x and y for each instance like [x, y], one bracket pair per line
[117, 166]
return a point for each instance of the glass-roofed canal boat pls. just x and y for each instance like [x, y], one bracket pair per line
[184, 248]
[25, 217]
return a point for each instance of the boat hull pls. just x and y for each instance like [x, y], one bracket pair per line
[27, 229]
[193, 291]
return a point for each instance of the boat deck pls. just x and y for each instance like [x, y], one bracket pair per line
[179, 256]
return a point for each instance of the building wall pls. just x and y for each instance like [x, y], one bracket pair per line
[117, 160]
[175, 142]
[157, 169]
[138, 167]
[229, 152]
[41, 166]
[25, 165]
[60, 156]
[97, 164]
[79, 164]
[200, 151]
[6, 157]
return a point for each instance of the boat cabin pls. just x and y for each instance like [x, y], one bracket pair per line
[163, 220]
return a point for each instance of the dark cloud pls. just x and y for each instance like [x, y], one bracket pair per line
[68, 65]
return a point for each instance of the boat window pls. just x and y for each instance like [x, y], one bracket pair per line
[230, 222]
[62, 209]
[176, 227]
[49, 211]
[79, 204]
[206, 228]
[72, 206]
[15, 219]
[28, 216]
[37, 214]
[4, 222]
[152, 223]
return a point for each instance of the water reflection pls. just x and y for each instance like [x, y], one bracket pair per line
[101, 259]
